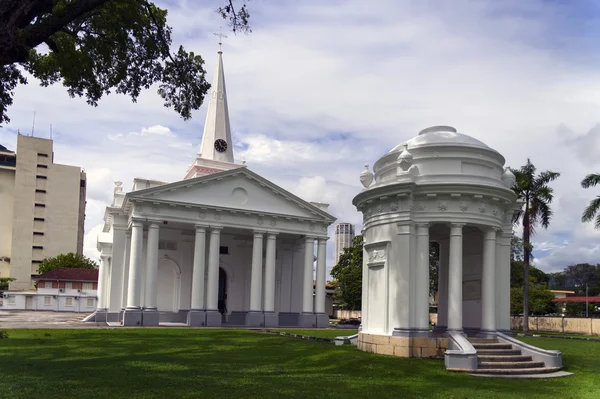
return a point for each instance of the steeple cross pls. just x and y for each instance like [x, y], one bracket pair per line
[221, 36]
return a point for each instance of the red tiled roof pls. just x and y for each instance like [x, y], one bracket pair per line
[70, 274]
[590, 299]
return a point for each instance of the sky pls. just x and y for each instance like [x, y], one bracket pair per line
[318, 89]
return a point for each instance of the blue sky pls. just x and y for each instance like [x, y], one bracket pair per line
[320, 88]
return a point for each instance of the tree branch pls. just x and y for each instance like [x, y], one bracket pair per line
[35, 34]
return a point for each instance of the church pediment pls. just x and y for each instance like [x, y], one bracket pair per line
[239, 189]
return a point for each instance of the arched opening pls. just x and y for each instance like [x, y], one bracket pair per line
[167, 297]
[222, 304]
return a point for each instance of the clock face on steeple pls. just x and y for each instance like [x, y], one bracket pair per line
[220, 145]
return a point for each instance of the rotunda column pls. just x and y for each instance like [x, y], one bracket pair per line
[488, 279]
[455, 280]
[422, 278]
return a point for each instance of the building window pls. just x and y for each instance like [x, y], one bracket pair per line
[87, 286]
[69, 285]
[40, 205]
[12, 300]
[90, 302]
[39, 219]
[47, 299]
[39, 190]
[224, 250]
[36, 261]
[38, 233]
[81, 183]
[41, 177]
[48, 284]
[37, 247]
[42, 166]
[69, 301]
[41, 154]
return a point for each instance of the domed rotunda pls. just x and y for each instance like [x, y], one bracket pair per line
[445, 187]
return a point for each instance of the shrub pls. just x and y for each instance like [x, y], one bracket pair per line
[3, 334]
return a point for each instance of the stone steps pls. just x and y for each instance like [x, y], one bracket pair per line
[501, 359]
[521, 371]
[510, 365]
[496, 358]
[498, 352]
[492, 346]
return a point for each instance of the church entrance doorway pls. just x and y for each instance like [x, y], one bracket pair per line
[167, 297]
[222, 291]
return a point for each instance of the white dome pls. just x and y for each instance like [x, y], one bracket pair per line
[440, 136]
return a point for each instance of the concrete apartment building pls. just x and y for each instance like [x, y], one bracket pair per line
[42, 209]
[344, 233]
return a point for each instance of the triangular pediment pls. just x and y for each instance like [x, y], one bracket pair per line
[238, 189]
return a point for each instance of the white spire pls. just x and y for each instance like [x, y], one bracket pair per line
[216, 139]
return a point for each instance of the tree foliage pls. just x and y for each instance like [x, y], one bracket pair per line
[95, 47]
[434, 267]
[576, 277]
[540, 300]
[592, 212]
[536, 276]
[4, 281]
[537, 195]
[347, 276]
[70, 259]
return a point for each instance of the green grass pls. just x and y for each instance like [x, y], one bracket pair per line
[211, 363]
[320, 333]
[559, 334]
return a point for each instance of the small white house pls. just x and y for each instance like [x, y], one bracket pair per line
[59, 290]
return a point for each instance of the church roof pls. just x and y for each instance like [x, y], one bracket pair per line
[151, 194]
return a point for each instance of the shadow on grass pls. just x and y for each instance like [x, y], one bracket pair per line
[230, 363]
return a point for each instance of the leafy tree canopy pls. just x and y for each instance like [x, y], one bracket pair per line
[97, 46]
[536, 276]
[347, 276]
[66, 260]
[540, 300]
[576, 277]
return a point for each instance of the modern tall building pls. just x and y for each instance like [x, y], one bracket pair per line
[42, 209]
[344, 234]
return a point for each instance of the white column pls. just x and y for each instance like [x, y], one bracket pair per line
[455, 271]
[307, 288]
[126, 268]
[422, 278]
[488, 280]
[198, 283]
[321, 275]
[135, 265]
[151, 267]
[503, 281]
[119, 253]
[212, 285]
[443, 286]
[101, 292]
[270, 273]
[256, 277]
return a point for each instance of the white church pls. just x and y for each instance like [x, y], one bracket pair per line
[223, 246]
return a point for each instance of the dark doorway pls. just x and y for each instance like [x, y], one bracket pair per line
[222, 291]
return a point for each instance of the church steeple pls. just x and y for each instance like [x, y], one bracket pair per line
[216, 139]
[216, 149]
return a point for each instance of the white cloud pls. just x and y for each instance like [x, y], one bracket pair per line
[318, 89]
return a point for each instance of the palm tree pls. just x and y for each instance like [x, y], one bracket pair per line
[536, 195]
[593, 209]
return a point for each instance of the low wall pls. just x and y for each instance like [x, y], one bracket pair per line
[569, 325]
[347, 314]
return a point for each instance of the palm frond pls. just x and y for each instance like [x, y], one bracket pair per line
[592, 210]
[590, 180]
[546, 177]
[597, 224]
[544, 214]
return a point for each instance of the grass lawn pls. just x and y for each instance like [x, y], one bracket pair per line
[211, 363]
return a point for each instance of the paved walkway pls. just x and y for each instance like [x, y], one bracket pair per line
[41, 319]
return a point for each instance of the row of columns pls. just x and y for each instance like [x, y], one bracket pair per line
[204, 295]
[451, 283]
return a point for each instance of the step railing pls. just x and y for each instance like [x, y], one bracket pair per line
[551, 358]
[461, 355]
